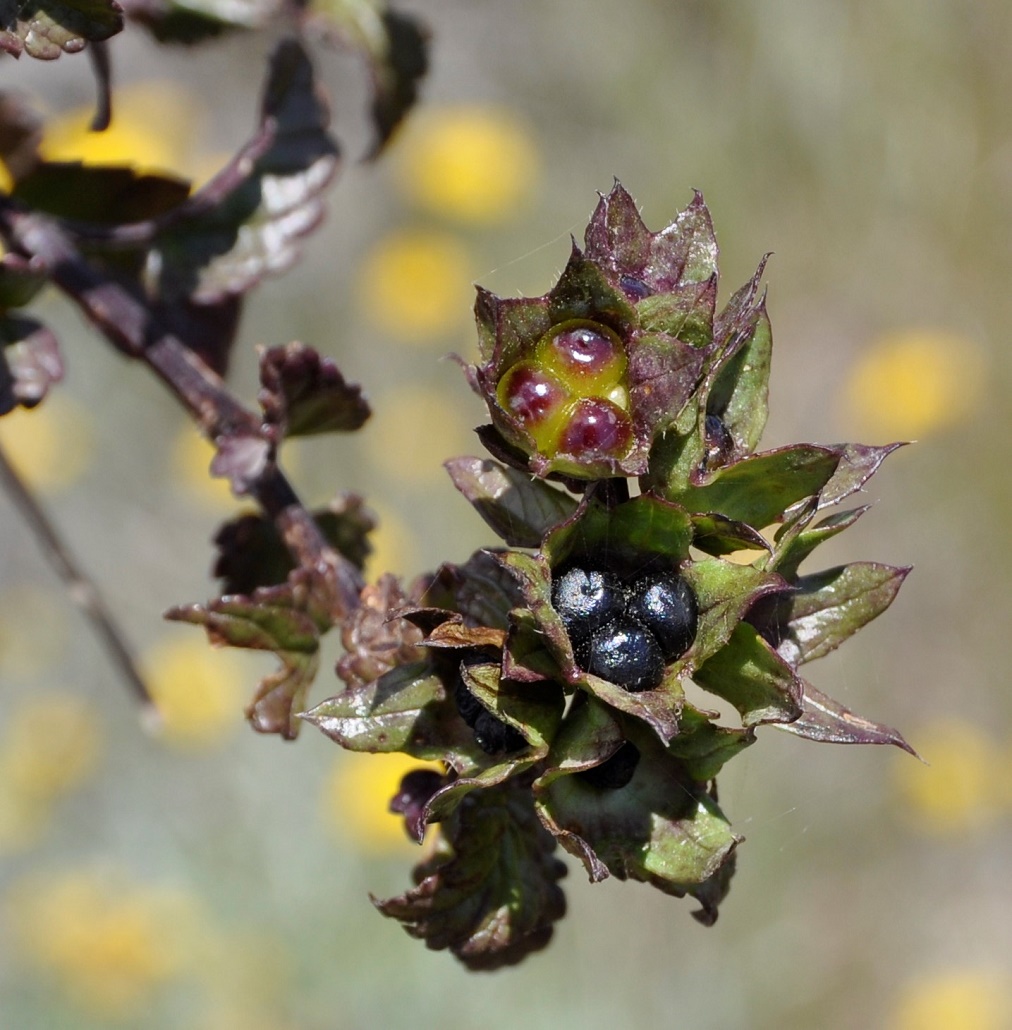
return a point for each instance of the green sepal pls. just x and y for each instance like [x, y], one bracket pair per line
[661, 828]
[858, 463]
[490, 893]
[791, 549]
[716, 534]
[749, 674]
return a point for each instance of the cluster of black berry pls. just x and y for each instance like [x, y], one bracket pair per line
[625, 629]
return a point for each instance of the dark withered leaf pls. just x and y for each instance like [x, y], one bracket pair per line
[375, 638]
[480, 589]
[287, 620]
[44, 29]
[491, 894]
[249, 220]
[397, 69]
[252, 554]
[304, 394]
[30, 362]
[520, 509]
[828, 721]
[104, 195]
[413, 794]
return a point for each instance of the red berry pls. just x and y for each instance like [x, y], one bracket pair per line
[587, 356]
[596, 429]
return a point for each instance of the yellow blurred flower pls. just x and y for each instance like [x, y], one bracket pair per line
[50, 446]
[416, 285]
[392, 542]
[911, 383]
[469, 163]
[6, 184]
[356, 799]
[414, 429]
[191, 461]
[154, 129]
[960, 789]
[199, 690]
[970, 999]
[109, 944]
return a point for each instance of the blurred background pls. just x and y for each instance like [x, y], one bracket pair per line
[210, 878]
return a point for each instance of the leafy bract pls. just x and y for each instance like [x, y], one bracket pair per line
[44, 29]
[490, 893]
[288, 620]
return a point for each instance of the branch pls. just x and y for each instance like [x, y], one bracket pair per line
[132, 328]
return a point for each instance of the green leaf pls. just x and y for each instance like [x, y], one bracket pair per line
[46, 28]
[304, 394]
[749, 674]
[760, 488]
[518, 508]
[827, 721]
[249, 220]
[400, 711]
[19, 282]
[490, 894]
[287, 620]
[828, 607]
[30, 362]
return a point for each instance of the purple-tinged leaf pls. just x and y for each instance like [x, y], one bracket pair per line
[858, 463]
[241, 459]
[490, 893]
[249, 220]
[827, 607]
[413, 794]
[480, 589]
[518, 508]
[749, 674]
[30, 362]
[304, 394]
[44, 29]
[760, 488]
[827, 721]
[287, 620]
[663, 372]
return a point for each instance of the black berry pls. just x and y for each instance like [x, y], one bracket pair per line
[625, 653]
[665, 604]
[492, 735]
[586, 599]
[616, 772]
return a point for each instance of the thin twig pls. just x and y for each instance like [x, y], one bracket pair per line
[80, 587]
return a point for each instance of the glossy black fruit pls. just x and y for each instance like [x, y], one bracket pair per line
[665, 604]
[492, 735]
[616, 772]
[586, 599]
[625, 653]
